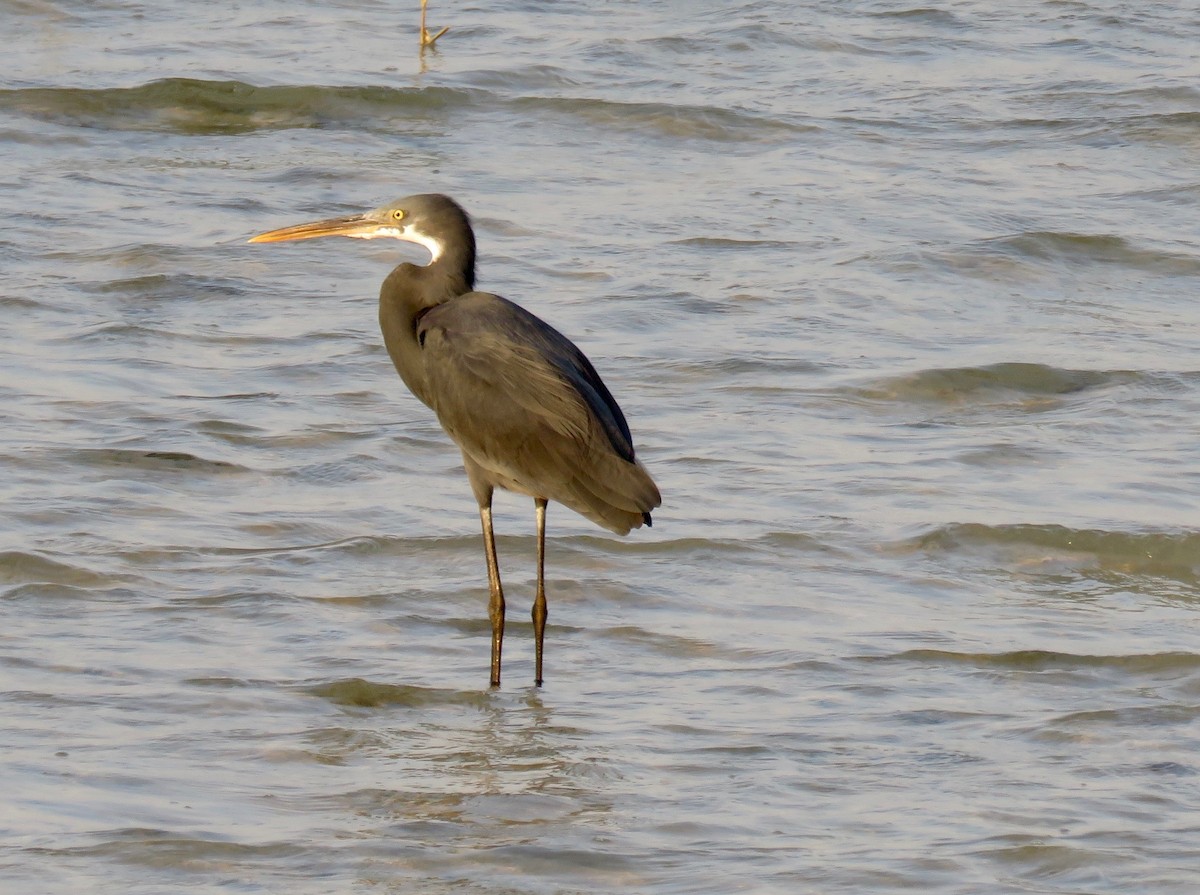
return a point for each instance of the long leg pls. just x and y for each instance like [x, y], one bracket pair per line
[539, 601]
[496, 594]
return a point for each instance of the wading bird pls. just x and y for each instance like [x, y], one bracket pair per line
[524, 405]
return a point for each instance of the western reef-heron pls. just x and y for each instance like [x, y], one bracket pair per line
[525, 406]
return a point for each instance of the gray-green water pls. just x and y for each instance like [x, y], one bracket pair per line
[901, 304]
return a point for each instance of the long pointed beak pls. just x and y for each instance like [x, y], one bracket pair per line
[358, 226]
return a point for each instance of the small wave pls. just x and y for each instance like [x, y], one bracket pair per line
[717, 242]
[737, 365]
[17, 567]
[1171, 128]
[164, 848]
[1021, 256]
[160, 460]
[359, 693]
[668, 120]
[191, 106]
[1042, 660]
[528, 77]
[958, 384]
[1173, 555]
[162, 287]
[740, 37]
[1139, 717]
[924, 14]
[1090, 248]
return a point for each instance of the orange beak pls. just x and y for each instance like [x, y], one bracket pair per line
[358, 226]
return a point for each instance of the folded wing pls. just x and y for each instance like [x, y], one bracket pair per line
[527, 407]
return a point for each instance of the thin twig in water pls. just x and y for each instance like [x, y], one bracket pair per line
[427, 39]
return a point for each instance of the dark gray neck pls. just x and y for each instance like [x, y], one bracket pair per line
[407, 293]
[457, 263]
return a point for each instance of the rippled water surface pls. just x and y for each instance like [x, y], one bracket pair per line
[901, 304]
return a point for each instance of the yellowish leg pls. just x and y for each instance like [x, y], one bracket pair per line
[539, 601]
[496, 594]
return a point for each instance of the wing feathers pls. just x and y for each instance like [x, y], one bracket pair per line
[526, 405]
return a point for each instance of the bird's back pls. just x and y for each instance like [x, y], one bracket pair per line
[529, 410]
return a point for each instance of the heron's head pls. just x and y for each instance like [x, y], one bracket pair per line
[431, 220]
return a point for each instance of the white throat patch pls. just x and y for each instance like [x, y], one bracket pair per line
[407, 233]
[433, 246]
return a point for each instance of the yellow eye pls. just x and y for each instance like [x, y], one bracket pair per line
[398, 215]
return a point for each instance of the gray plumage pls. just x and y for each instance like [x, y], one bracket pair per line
[525, 406]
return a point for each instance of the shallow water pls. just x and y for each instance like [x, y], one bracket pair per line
[899, 302]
